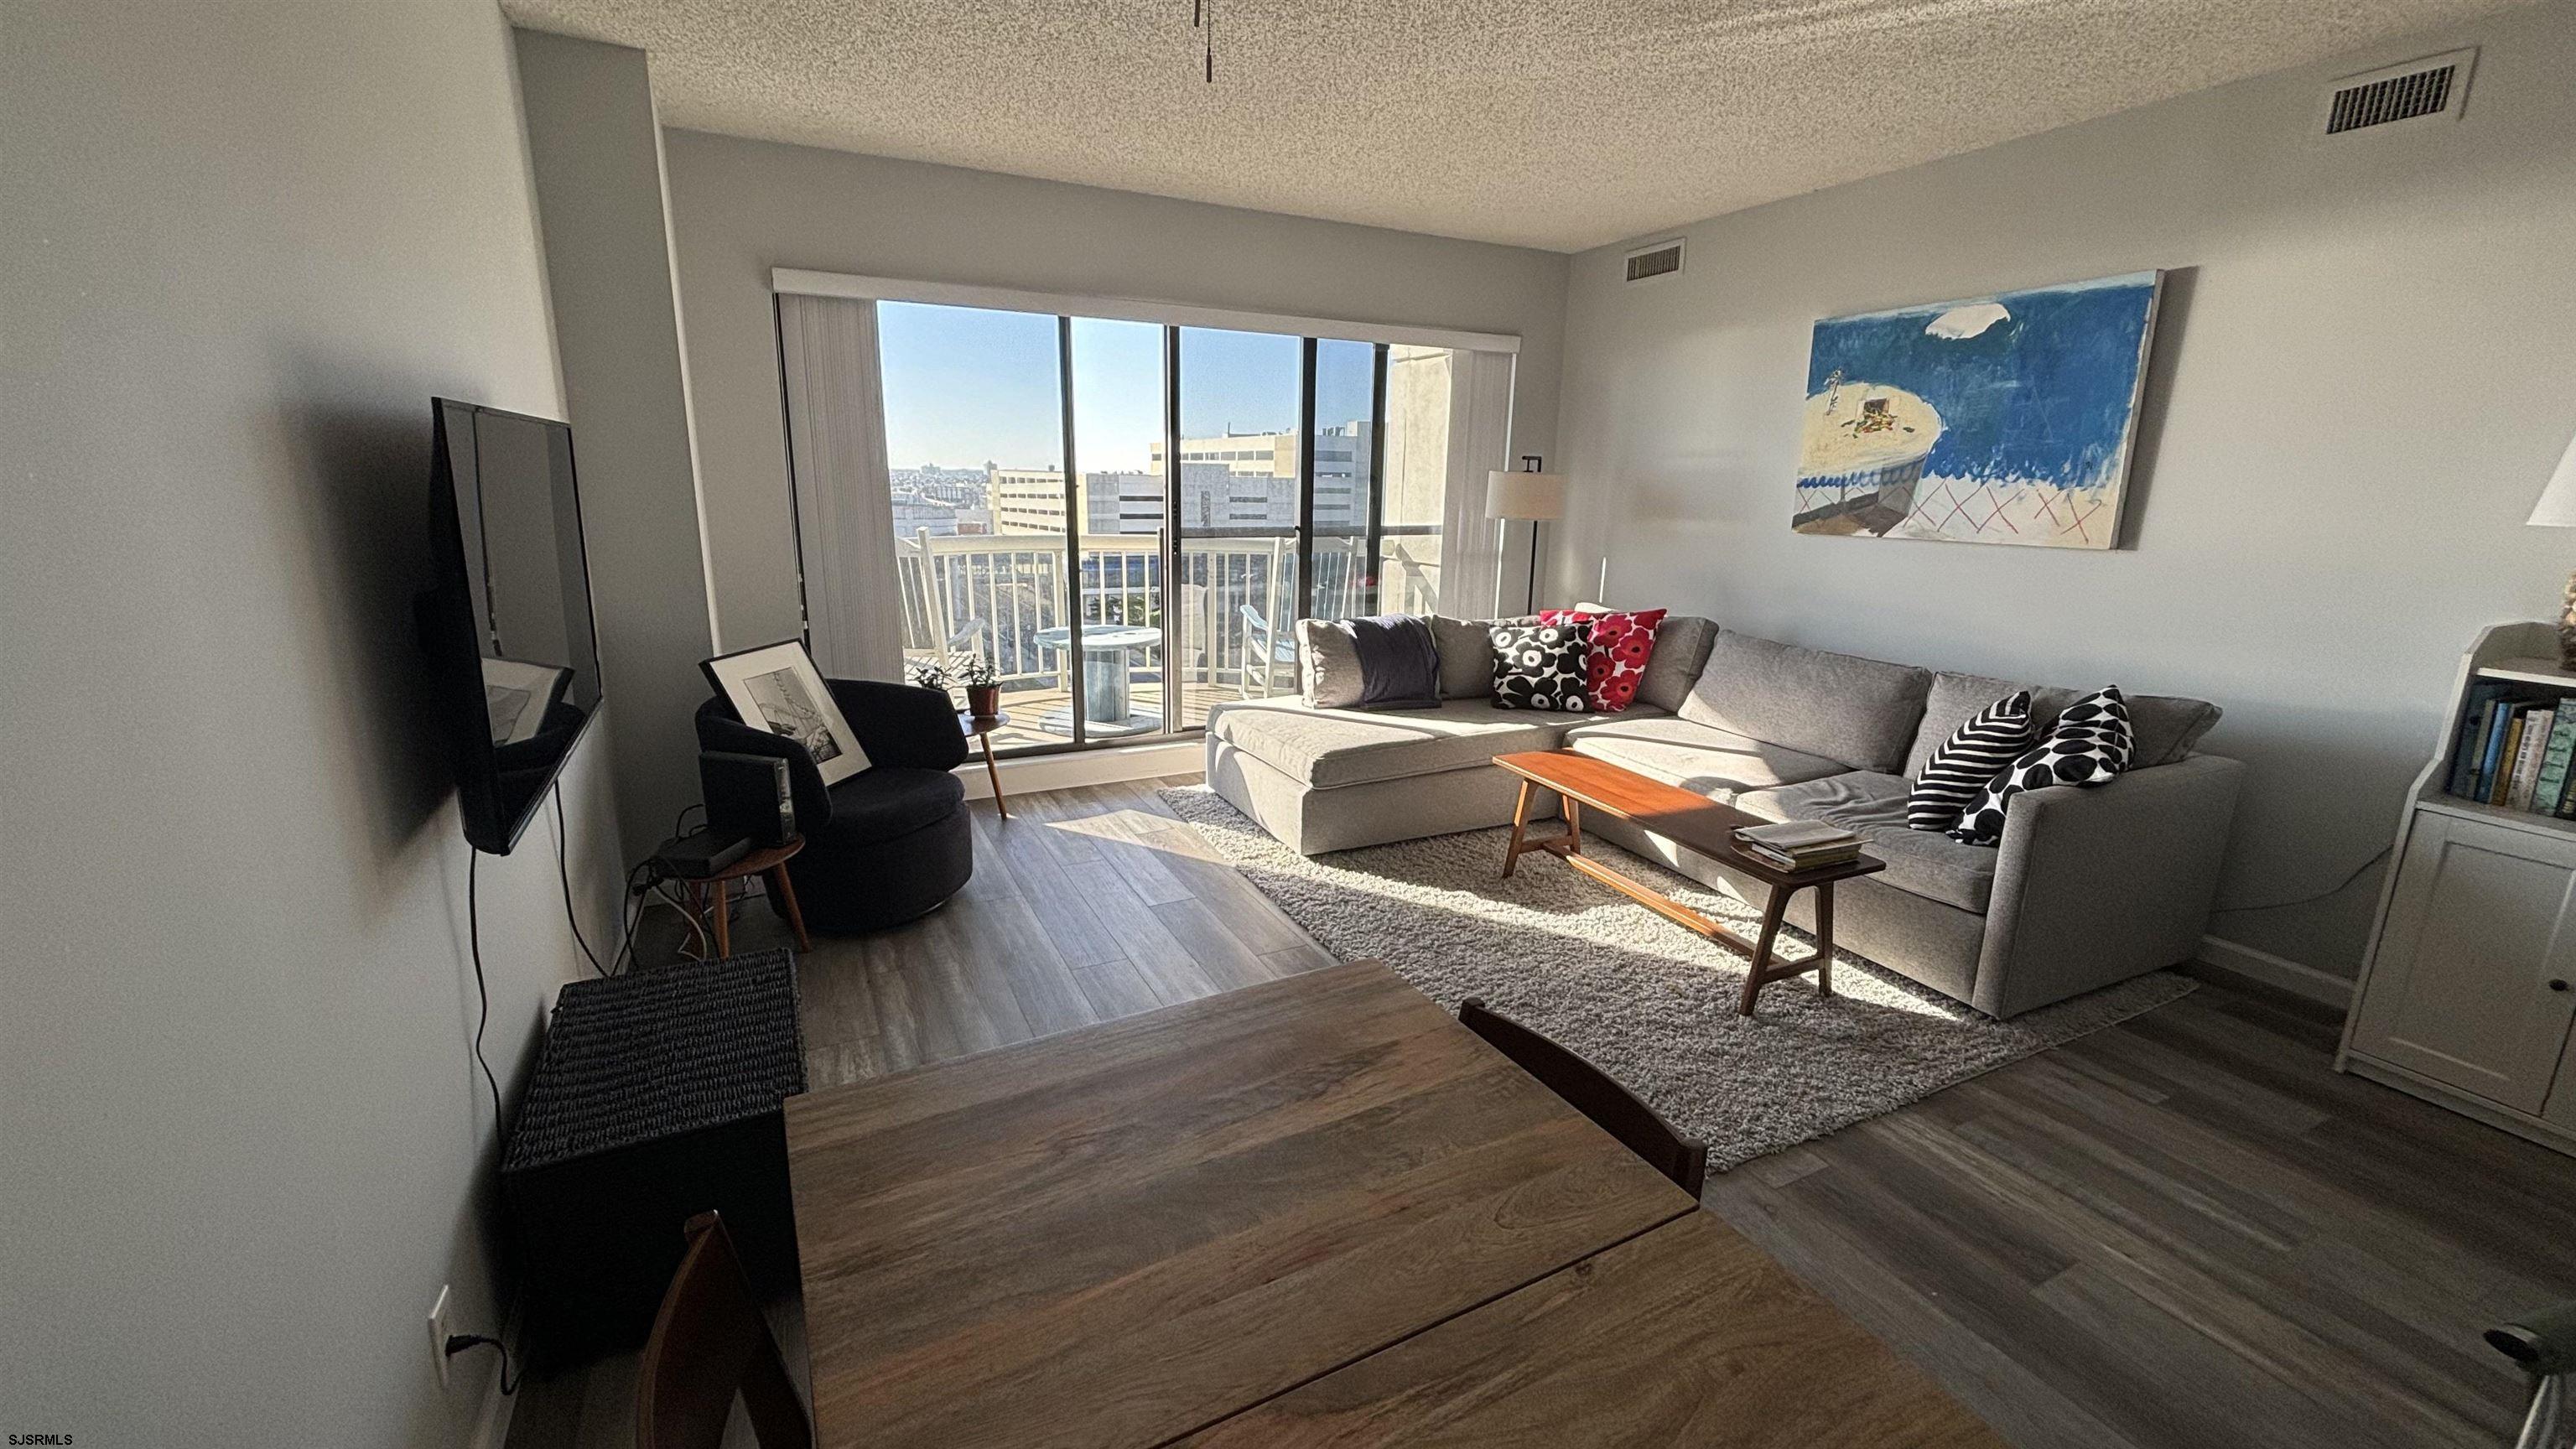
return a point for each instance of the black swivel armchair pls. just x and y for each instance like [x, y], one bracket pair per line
[889, 843]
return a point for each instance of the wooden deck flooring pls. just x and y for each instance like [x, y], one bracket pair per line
[2184, 1232]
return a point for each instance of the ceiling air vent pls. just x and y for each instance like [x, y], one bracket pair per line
[1660, 260]
[2430, 89]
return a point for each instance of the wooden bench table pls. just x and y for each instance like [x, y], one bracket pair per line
[1693, 822]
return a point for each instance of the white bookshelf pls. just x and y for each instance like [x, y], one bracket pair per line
[2467, 996]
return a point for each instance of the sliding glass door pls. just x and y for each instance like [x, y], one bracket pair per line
[1342, 433]
[1124, 520]
[1116, 409]
[1240, 505]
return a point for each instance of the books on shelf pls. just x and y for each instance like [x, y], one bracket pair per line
[2526, 763]
[2466, 751]
[2516, 753]
[2555, 760]
[1798, 844]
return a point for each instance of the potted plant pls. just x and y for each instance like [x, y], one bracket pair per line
[927, 674]
[982, 682]
[983, 685]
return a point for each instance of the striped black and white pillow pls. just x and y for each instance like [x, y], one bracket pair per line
[1975, 753]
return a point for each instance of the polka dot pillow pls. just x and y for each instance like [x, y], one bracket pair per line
[1541, 666]
[2089, 744]
[1621, 645]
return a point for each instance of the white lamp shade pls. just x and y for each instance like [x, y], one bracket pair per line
[1542, 495]
[2557, 505]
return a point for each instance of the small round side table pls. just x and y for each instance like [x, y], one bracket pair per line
[980, 727]
[770, 861]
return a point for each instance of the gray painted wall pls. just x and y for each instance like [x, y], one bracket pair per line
[244, 1139]
[2366, 369]
[740, 208]
[597, 153]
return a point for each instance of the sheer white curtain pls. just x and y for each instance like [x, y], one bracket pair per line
[1480, 440]
[844, 511]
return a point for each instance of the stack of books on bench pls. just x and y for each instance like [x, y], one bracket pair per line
[1798, 844]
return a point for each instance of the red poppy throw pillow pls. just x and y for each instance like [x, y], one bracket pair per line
[1621, 645]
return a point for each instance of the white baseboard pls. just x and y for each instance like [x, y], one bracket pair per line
[1073, 768]
[2234, 958]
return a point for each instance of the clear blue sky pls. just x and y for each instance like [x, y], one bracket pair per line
[965, 386]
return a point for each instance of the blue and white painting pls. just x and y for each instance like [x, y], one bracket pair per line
[2003, 419]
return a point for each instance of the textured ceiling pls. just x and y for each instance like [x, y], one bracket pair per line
[1549, 123]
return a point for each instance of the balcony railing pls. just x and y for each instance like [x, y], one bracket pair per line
[999, 595]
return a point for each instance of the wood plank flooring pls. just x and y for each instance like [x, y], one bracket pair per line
[1086, 905]
[2185, 1232]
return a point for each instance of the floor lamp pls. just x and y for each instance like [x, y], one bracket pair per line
[1530, 494]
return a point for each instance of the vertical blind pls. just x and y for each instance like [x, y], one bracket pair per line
[844, 509]
[1480, 426]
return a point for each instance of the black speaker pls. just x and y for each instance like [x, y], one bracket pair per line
[748, 795]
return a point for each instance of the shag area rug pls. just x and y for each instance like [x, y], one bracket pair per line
[1646, 1000]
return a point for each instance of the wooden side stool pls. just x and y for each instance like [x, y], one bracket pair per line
[770, 862]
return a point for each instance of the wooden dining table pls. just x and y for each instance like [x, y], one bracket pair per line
[1313, 1211]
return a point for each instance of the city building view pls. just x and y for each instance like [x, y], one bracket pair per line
[941, 502]
[1246, 480]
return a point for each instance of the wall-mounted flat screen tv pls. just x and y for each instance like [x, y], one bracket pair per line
[514, 655]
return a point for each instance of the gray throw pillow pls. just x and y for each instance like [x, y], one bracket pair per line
[1467, 654]
[1328, 661]
[2163, 727]
[1682, 643]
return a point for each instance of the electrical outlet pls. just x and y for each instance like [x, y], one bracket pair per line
[438, 1334]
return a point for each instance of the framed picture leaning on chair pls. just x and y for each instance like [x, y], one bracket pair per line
[777, 686]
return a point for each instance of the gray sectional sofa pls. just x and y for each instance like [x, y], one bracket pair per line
[2088, 887]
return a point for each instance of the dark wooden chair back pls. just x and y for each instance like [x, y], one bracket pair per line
[1594, 1093]
[710, 1344]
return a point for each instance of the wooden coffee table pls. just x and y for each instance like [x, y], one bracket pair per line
[1693, 822]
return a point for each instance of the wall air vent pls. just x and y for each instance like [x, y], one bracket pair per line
[2430, 89]
[1660, 260]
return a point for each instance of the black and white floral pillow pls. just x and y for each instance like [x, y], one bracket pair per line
[1542, 666]
[2089, 744]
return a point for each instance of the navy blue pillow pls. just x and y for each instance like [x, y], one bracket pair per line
[1399, 661]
